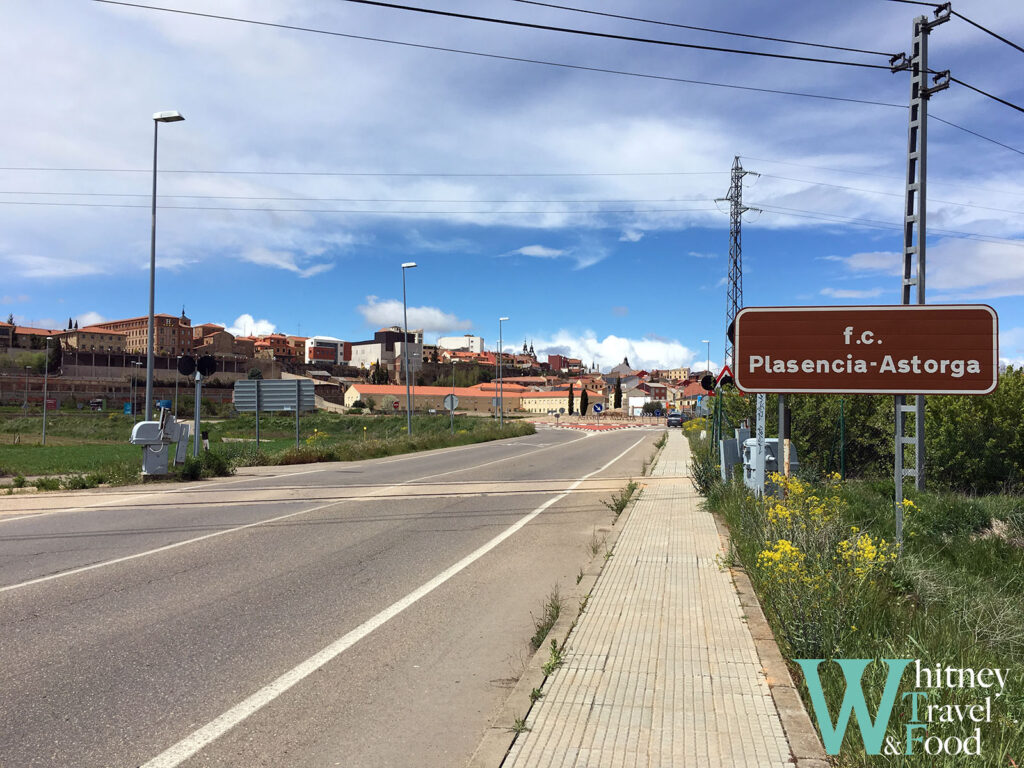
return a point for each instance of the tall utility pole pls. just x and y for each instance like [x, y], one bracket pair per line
[734, 301]
[914, 233]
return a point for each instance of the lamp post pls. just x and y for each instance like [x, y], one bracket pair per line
[46, 380]
[708, 342]
[501, 384]
[177, 375]
[134, 390]
[159, 117]
[405, 351]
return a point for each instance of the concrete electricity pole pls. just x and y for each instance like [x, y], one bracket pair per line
[914, 232]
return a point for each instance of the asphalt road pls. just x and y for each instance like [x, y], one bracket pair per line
[363, 614]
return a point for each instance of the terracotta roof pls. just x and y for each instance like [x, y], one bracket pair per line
[24, 330]
[97, 329]
[399, 389]
[564, 393]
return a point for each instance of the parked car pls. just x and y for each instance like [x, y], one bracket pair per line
[675, 419]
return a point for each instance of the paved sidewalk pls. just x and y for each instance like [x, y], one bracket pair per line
[661, 669]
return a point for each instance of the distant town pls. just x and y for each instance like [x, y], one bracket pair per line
[103, 363]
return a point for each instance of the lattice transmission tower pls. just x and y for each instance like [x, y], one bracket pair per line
[734, 300]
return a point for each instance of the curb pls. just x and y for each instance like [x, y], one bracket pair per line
[500, 735]
[801, 735]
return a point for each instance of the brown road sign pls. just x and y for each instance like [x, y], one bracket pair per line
[899, 350]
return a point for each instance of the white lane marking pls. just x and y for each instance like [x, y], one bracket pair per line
[166, 547]
[191, 744]
[129, 500]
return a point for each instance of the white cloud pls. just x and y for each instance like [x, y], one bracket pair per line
[620, 311]
[697, 255]
[631, 236]
[21, 298]
[89, 318]
[539, 251]
[387, 312]
[32, 265]
[283, 260]
[247, 325]
[852, 293]
[647, 352]
[958, 270]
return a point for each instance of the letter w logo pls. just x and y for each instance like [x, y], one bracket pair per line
[872, 732]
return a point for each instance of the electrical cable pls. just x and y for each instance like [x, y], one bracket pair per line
[607, 35]
[882, 175]
[521, 59]
[875, 224]
[700, 29]
[368, 173]
[989, 31]
[975, 133]
[357, 199]
[986, 93]
[354, 211]
[890, 194]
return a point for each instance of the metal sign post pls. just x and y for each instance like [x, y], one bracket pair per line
[199, 396]
[257, 414]
[298, 408]
[759, 467]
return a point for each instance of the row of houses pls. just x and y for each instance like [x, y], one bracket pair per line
[477, 399]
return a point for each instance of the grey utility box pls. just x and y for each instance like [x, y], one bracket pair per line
[771, 462]
[156, 438]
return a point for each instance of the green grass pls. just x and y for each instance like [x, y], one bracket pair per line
[63, 459]
[953, 597]
[550, 611]
[84, 443]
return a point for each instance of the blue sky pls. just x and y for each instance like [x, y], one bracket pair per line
[579, 204]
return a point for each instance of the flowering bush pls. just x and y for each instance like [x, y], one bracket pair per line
[317, 438]
[809, 566]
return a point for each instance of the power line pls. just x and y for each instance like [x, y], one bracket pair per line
[975, 133]
[916, 2]
[700, 29]
[411, 174]
[876, 224]
[989, 31]
[881, 175]
[890, 194]
[609, 35]
[359, 199]
[983, 93]
[357, 211]
[520, 59]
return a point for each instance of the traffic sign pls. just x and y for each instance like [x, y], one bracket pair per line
[900, 349]
[186, 365]
[598, 407]
[451, 402]
[395, 404]
[723, 375]
[657, 413]
[561, 410]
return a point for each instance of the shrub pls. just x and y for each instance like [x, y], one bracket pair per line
[192, 469]
[19, 481]
[48, 483]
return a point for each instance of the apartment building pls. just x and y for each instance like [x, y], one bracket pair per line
[467, 343]
[93, 339]
[387, 348]
[172, 335]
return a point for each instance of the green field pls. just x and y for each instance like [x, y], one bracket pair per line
[83, 443]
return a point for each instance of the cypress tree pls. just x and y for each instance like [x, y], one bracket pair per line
[584, 402]
[572, 401]
[618, 392]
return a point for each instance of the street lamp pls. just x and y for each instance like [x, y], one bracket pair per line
[501, 383]
[27, 369]
[134, 389]
[46, 378]
[708, 342]
[159, 117]
[177, 375]
[405, 351]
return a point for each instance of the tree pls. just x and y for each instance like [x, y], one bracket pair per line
[255, 373]
[56, 357]
[584, 402]
[10, 318]
[572, 401]
[618, 392]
